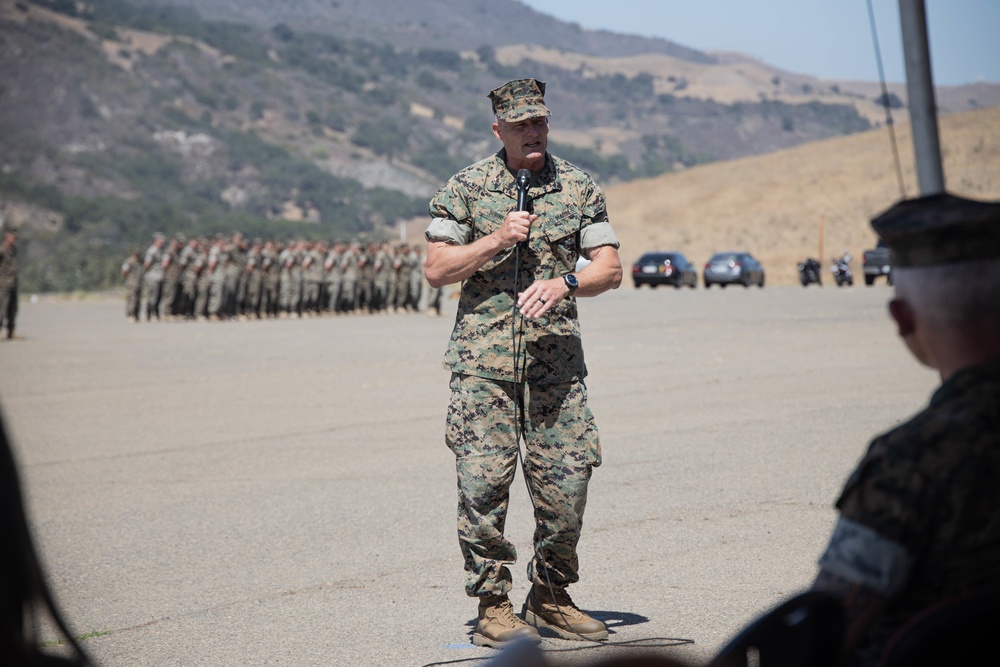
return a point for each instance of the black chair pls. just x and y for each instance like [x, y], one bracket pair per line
[957, 631]
[804, 631]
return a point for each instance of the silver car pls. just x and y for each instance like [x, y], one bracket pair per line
[733, 267]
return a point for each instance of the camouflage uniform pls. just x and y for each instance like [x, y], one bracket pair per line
[349, 278]
[171, 278]
[132, 272]
[919, 520]
[383, 275]
[203, 271]
[334, 277]
[218, 267]
[189, 278]
[271, 266]
[313, 271]
[9, 266]
[414, 279]
[153, 277]
[298, 279]
[235, 274]
[400, 285]
[366, 279]
[561, 438]
[928, 492]
[254, 281]
[289, 297]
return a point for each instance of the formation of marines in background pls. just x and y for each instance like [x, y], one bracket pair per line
[230, 277]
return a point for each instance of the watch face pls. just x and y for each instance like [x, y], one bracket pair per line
[571, 280]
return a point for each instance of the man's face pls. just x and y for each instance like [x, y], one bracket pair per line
[525, 141]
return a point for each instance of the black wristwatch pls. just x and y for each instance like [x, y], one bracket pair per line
[571, 282]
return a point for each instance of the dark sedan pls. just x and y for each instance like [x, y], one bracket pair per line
[733, 267]
[664, 268]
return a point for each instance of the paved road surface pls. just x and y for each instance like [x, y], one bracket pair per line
[278, 492]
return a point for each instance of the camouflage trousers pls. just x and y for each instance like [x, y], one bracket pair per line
[152, 294]
[133, 297]
[561, 449]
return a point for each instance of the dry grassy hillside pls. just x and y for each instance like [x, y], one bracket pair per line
[736, 77]
[776, 205]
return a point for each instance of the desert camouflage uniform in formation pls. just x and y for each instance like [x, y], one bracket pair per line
[398, 283]
[9, 267]
[366, 279]
[271, 267]
[220, 278]
[349, 273]
[382, 269]
[132, 273]
[253, 279]
[218, 267]
[414, 280]
[561, 438]
[235, 276]
[171, 276]
[189, 277]
[152, 276]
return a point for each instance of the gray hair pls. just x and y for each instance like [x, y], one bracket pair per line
[951, 293]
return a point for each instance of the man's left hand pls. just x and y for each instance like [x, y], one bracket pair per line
[541, 296]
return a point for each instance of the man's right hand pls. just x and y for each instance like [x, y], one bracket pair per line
[516, 227]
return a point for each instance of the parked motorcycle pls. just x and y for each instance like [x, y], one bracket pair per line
[841, 270]
[810, 271]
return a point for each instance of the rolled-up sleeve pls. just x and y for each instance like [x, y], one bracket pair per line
[448, 231]
[598, 234]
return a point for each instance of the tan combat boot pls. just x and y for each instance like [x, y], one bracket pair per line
[498, 624]
[559, 614]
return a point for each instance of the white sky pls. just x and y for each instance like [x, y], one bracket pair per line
[824, 38]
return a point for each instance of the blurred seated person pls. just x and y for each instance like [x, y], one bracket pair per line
[24, 594]
[919, 517]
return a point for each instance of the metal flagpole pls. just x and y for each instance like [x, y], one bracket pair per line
[920, 89]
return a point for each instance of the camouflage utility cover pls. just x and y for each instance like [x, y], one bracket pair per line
[519, 100]
[940, 229]
[571, 216]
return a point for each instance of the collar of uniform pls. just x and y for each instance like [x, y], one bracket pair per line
[966, 378]
[501, 180]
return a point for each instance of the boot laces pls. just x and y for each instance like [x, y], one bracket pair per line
[505, 614]
[502, 610]
[564, 603]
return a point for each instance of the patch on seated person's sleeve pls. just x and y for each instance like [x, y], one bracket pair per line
[448, 231]
[598, 234]
[857, 553]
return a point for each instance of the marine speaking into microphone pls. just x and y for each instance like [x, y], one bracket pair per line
[521, 195]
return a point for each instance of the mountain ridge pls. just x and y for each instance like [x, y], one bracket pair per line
[436, 23]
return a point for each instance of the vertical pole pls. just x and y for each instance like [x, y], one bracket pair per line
[822, 217]
[100, 259]
[920, 89]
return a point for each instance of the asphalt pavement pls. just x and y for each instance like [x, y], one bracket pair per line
[279, 492]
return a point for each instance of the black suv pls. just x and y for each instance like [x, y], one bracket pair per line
[876, 263]
[664, 268]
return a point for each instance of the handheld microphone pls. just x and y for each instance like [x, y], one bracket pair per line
[523, 181]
